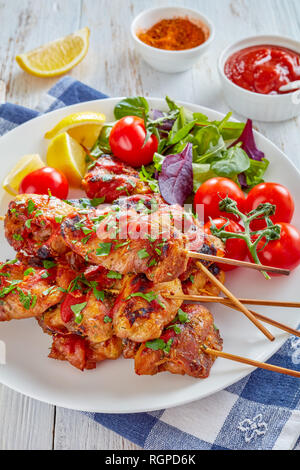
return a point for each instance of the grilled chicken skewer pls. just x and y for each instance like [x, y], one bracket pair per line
[27, 292]
[179, 349]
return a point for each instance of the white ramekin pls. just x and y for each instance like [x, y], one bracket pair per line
[268, 108]
[169, 61]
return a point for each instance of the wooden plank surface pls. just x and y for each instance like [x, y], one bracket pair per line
[113, 67]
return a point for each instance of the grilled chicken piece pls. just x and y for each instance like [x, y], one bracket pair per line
[199, 284]
[141, 312]
[32, 224]
[81, 354]
[181, 352]
[94, 321]
[111, 178]
[86, 307]
[129, 241]
[27, 292]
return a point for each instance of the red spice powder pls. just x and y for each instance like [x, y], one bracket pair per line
[175, 34]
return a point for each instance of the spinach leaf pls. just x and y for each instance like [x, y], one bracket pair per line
[254, 174]
[102, 145]
[202, 172]
[136, 106]
[232, 162]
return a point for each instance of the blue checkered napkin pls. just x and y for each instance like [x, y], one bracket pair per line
[262, 411]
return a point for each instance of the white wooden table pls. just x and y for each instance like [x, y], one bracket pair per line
[113, 67]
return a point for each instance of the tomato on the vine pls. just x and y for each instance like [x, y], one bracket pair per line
[275, 194]
[283, 253]
[235, 248]
[127, 142]
[45, 181]
[210, 194]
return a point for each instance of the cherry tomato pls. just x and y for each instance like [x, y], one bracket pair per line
[234, 247]
[210, 194]
[65, 309]
[275, 194]
[127, 140]
[44, 180]
[283, 253]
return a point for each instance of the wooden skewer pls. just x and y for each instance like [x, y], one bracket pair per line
[244, 360]
[236, 302]
[228, 303]
[222, 300]
[241, 264]
[264, 319]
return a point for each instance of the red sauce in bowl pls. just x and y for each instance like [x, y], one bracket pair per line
[263, 69]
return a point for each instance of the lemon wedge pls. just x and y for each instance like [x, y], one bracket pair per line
[25, 165]
[67, 155]
[57, 57]
[84, 127]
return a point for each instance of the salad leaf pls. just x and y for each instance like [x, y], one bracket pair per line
[166, 124]
[202, 172]
[102, 144]
[147, 175]
[176, 177]
[233, 162]
[136, 106]
[248, 143]
[177, 134]
[208, 142]
[254, 174]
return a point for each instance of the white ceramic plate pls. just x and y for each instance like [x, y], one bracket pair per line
[113, 387]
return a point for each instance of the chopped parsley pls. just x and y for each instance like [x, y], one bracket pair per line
[160, 345]
[142, 254]
[18, 237]
[104, 249]
[59, 219]
[153, 262]
[174, 327]
[149, 297]
[97, 201]
[99, 294]
[77, 309]
[107, 319]
[31, 206]
[122, 244]
[26, 299]
[28, 223]
[114, 275]
[183, 316]
[48, 264]
[29, 271]
[6, 290]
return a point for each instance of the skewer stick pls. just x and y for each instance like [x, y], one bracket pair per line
[244, 360]
[222, 300]
[241, 264]
[235, 301]
[264, 319]
[228, 303]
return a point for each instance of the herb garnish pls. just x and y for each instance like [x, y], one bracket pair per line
[77, 309]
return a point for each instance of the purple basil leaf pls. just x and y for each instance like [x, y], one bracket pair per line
[242, 180]
[167, 124]
[248, 143]
[176, 176]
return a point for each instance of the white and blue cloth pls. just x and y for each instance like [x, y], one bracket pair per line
[262, 411]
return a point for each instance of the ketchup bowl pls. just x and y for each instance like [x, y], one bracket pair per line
[273, 107]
